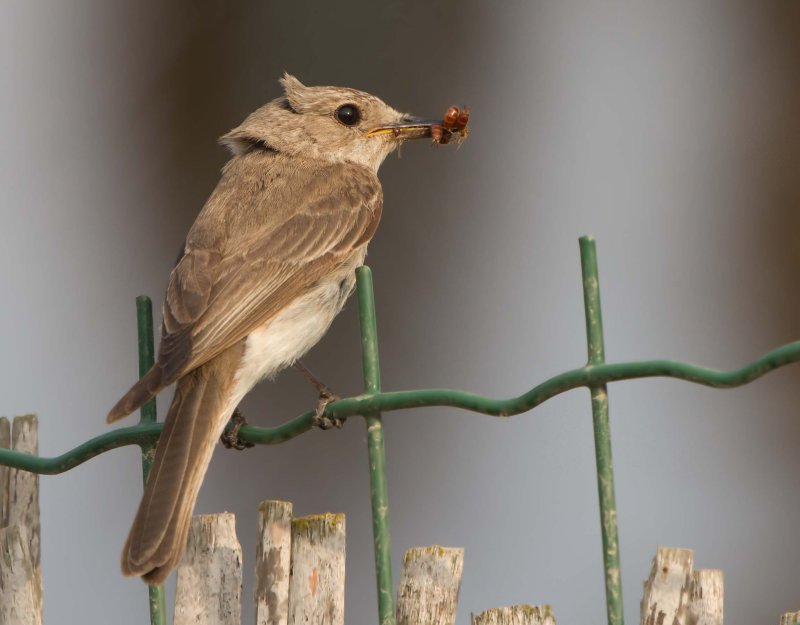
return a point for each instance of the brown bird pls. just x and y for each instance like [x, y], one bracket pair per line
[267, 265]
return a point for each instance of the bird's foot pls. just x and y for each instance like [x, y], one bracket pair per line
[326, 396]
[230, 437]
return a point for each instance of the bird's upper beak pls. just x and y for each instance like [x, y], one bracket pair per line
[409, 127]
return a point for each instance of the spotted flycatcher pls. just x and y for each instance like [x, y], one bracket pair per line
[267, 265]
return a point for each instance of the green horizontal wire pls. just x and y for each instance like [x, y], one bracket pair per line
[145, 433]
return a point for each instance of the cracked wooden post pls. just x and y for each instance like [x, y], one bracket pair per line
[706, 595]
[429, 585]
[209, 583]
[516, 615]
[273, 551]
[20, 580]
[316, 585]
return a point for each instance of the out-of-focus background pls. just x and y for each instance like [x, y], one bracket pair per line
[670, 131]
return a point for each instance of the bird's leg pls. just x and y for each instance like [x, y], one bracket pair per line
[324, 390]
[326, 396]
[230, 436]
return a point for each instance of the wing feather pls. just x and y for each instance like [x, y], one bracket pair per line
[278, 240]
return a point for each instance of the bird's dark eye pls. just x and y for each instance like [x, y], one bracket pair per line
[348, 114]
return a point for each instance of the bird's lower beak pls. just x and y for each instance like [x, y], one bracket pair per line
[408, 128]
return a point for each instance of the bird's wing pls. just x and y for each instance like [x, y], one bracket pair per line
[215, 299]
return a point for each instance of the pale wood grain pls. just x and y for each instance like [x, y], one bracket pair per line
[790, 618]
[666, 591]
[23, 487]
[273, 563]
[20, 580]
[316, 585]
[516, 615]
[429, 585]
[706, 595]
[209, 584]
[5, 443]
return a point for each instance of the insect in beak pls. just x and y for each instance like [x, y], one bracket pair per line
[441, 131]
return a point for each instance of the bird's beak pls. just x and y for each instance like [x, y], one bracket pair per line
[408, 127]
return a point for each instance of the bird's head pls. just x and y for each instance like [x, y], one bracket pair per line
[328, 123]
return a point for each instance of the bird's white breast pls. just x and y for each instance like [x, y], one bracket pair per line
[295, 329]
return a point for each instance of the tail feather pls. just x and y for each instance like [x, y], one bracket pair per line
[200, 409]
[147, 387]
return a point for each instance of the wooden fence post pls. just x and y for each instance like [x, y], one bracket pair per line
[516, 615]
[209, 584]
[666, 591]
[23, 487]
[5, 443]
[273, 565]
[20, 573]
[429, 585]
[676, 594]
[705, 598]
[790, 618]
[20, 581]
[316, 585]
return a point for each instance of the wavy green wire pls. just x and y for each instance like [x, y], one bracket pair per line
[144, 433]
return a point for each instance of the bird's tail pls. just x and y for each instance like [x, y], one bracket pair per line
[200, 409]
[150, 384]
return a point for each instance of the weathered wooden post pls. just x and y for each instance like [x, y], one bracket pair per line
[20, 581]
[675, 593]
[273, 563]
[316, 585]
[23, 486]
[790, 618]
[429, 585]
[5, 443]
[516, 615]
[209, 583]
[705, 598]
[20, 573]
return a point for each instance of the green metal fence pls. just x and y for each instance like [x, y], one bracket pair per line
[595, 375]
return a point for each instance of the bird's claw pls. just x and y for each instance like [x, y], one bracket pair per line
[230, 436]
[326, 396]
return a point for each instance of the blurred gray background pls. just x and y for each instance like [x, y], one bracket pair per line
[670, 131]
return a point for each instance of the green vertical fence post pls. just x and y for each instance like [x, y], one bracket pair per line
[375, 450]
[602, 433]
[144, 319]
